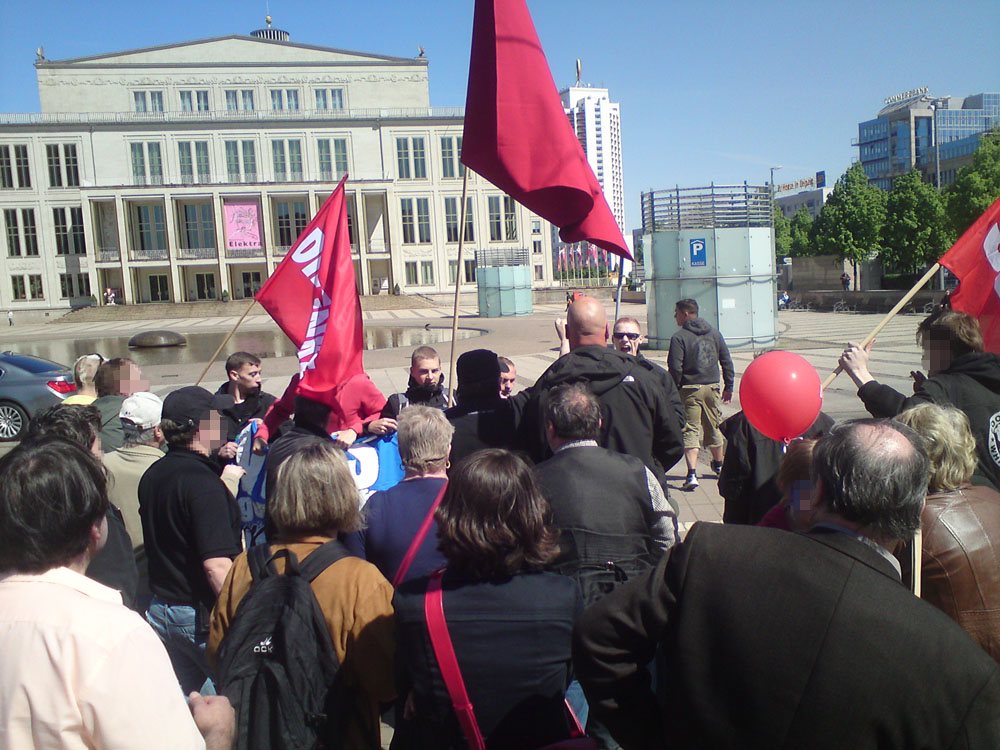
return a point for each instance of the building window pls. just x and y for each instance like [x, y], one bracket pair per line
[293, 98]
[192, 101]
[329, 98]
[536, 226]
[139, 98]
[76, 230]
[423, 220]
[232, 100]
[292, 219]
[199, 226]
[451, 220]
[470, 271]
[57, 177]
[536, 246]
[287, 160]
[20, 166]
[62, 231]
[83, 284]
[202, 99]
[452, 271]
[539, 273]
[239, 99]
[247, 96]
[411, 273]
[35, 286]
[70, 238]
[72, 165]
[282, 97]
[237, 171]
[510, 218]
[406, 216]
[426, 273]
[470, 234]
[204, 285]
[187, 101]
[150, 227]
[200, 161]
[332, 163]
[30, 232]
[155, 101]
[66, 285]
[55, 172]
[159, 288]
[411, 158]
[13, 236]
[147, 166]
[451, 156]
[17, 287]
[496, 225]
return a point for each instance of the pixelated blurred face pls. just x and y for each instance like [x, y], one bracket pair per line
[210, 431]
[801, 502]
[507, 380]
[133, 382]
[247, 379]
[627, 337]
[426, 372]
[936, 357]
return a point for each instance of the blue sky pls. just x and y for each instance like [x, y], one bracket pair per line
[710, 91]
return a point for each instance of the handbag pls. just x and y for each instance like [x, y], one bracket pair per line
[418, 540]
[437, 629]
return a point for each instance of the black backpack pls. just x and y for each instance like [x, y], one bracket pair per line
[277, 664]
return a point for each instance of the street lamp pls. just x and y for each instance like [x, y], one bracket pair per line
[773, 170]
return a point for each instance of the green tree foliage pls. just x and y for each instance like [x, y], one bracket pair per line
[977, 185]
[850, 224]
[799, 228]
[782, 234]
[917, 231]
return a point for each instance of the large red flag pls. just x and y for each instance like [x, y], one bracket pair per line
[517, 135]
[975, 260]
[313, 297]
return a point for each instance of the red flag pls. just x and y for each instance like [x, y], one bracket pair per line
[975, 260]
[312, 296]
[517, 135]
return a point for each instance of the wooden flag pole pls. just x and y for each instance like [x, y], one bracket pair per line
[889, 316]
[458, 285]
[224, 342]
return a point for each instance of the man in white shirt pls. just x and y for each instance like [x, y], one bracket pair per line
[78, 669]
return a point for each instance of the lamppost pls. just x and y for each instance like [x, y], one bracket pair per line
[774, 252]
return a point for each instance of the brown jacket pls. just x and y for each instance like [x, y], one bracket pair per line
[356, 602]
[960, 572]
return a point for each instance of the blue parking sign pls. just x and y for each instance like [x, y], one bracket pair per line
[698, 253]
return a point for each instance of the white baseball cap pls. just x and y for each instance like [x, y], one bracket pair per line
[141, 410]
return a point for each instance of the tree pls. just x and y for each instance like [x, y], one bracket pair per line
[917, 231]
[850, 224]
[782, 234]
[799, 228]
[977, 185]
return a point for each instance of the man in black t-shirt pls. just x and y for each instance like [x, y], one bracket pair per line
[191, 529]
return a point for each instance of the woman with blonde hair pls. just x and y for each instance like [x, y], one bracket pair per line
[315, 498]
[960, 568]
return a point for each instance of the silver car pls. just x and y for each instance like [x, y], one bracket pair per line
[28, 385]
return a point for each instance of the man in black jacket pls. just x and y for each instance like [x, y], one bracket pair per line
[641, 415]
[249, 400]
[425, 387]
[480, 417]
[772, 639]
[959, 374]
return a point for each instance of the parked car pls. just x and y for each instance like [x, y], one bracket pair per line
[28, 385]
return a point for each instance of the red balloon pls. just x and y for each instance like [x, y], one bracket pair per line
[781, 395]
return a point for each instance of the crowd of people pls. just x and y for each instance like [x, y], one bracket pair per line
[527, 579]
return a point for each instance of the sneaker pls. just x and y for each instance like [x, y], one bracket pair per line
[691, 482]
[716, 467]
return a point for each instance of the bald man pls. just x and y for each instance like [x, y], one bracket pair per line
[641, 413]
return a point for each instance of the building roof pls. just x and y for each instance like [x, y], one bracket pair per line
[227, 50]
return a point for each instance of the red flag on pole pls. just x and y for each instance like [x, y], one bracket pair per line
[313, 298]
[975, 260]
[517, 134]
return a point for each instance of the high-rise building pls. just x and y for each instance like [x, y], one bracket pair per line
[936, 135]
[184, 172]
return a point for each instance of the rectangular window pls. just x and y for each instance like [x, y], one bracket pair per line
[292, 96]
[35, 286]
[321, 100]
[202, 101]
[232, 100]
[426, 273]
[470, 271]
[411, 158]
[406, 216]
[79, 238]
[21, 165]
[470, 234]
[186, 162]
[329, 98]
[249, 161]
[139, 98]
[72, 165]
[403, 158]
[539, 273]
[65, 285]
[17, 287]
[247, 96]
[496, 224]
[451, 220]
[340, 156]
[295, 160]
[419, 159]
[199, 226]
[159, 289]
[233, 160]
[13, 236]
[277, 99]
[336, 98]
[536, 226]
[292, 220]
[510, 218]
[325, 159]
[187, 101]
[30, 232]
[55, 170]
[201, 161]
[452, 271]
[62, 231]
[150, 227]
[536, 246]
[155, 101]
[451, 156]
[423, 220]
[411, 273]
[155, 164]
[140, 174]
[83, 284]
[6, 173]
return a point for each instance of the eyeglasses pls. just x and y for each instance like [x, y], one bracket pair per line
[619, 335]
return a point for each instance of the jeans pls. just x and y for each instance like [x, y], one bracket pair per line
[176, 624]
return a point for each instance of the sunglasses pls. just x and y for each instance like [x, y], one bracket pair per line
[618, 336]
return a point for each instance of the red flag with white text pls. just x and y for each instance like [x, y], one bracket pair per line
[313, 297]
[975, 260]
[517, 134]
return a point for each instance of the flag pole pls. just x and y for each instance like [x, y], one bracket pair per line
[458, 285]
[224, 342]
[889, 316]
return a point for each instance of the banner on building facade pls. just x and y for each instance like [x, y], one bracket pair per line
[242, 225]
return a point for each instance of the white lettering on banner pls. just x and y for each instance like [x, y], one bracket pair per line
[315, 333]
[308, 255]
[991, 246]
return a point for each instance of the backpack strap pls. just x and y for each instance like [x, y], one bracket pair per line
[418, 540]
[322, 558]
[259, 561]
[444, 652]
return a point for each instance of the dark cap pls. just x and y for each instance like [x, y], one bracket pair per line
[479, 364]
[192, 404]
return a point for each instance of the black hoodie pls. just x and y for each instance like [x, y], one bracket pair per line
[696, 352]
[641, 412]
[971, 383]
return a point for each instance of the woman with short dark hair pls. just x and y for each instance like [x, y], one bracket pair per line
[510, 621]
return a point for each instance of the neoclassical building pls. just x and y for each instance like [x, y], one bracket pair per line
[184, 172]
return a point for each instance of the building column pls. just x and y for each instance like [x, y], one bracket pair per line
[128, 293]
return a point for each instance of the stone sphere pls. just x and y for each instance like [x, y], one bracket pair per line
[157, 338]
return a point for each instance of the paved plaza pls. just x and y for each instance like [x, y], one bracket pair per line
[531, 342]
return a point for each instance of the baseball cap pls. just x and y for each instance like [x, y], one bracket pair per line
[479, 364]
[192, 404]
[142, 410]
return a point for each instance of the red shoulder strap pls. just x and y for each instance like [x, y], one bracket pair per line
[418, 540]
[437, 629]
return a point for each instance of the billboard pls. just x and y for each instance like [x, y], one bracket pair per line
[242, 225]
